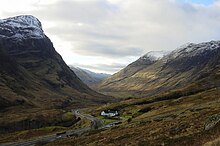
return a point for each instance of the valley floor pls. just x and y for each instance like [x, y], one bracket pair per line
[185, 120]
[165, 119]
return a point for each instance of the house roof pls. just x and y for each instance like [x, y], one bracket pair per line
[110, 111]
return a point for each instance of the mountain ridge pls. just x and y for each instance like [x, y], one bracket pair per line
[88, 77]
[181, 66]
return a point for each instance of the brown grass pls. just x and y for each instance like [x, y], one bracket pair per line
[215, 142]
[177, 121]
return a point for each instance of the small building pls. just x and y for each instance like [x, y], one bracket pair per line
[109, 113]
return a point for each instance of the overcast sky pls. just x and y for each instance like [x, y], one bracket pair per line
[106, 35]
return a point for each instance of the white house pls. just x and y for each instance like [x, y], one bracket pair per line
[109, 113]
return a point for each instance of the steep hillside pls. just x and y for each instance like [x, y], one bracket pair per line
[187, 64]
[133, 68]
[43, 77]
[88, 77]
[34, 77]
[99, 76]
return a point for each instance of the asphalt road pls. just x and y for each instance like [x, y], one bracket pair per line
[96, 124]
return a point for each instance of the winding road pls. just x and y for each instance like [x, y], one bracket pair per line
[96, 124]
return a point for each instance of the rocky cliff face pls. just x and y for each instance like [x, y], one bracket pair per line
[189, 64]
[32, 73]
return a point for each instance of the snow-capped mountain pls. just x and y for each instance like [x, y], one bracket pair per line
[33, 71]
[21, 27]
[192, 49]
[191, 63]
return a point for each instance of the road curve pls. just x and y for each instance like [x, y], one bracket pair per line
[96, 124]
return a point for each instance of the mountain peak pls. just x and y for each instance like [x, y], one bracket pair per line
[154, 55]
[191, 49]
[21, 27]
[27, 20]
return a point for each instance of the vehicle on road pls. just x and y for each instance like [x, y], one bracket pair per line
[60, 134]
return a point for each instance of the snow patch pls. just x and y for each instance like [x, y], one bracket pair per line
[191, 49]
[20, 27]
[154, 55]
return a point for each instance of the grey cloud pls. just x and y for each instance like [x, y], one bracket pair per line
[77, 11]
[74, 32]
[107, 50]
[92, 42]
[102, 67]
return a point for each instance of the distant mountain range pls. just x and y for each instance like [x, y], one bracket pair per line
[187, 65]
[88, 77]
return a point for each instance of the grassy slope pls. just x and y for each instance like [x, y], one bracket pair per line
[174, 118]
[34, 80]
[34, 73]
[84, 76]
[162, 75]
